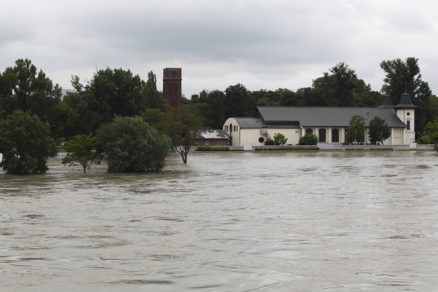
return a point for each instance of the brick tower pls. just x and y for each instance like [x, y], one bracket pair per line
[172, 86]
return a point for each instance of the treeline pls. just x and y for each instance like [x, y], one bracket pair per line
[338, 87]
[33, 110]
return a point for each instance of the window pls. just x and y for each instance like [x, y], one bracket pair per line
[231, 127]
[408, 125]
[322, 136]
[309, 131]
[261, 140]
[236, 128]
[408, 113]
[226, 128]
[335, 135]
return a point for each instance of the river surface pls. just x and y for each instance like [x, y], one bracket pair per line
[319, 221]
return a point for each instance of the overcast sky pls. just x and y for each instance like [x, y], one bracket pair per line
[263, 44]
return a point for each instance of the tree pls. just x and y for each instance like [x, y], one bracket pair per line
[25, 143]
[73, 116]
[356, 130]
[378, 130]
[430, 134]
[114, 92]
[280, 139]
[23, 87]
[182, 128]
[404, 76]
[82, 149]
[131, 145]
[342, 87]
[308, 139]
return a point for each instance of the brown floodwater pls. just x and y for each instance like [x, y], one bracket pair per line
[315, 221]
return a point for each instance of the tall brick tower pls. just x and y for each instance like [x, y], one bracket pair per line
[172, 86]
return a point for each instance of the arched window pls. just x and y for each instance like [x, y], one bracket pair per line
[335, 135]
[321, 136]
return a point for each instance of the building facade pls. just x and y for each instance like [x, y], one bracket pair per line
[328, 124]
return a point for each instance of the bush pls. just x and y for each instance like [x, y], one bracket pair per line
[269, 141]
[25, 144]
[279, 139]
[131, 145]
[308, 139]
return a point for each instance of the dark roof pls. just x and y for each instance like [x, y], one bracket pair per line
[405, 101]
[249, 123]
[326, 116]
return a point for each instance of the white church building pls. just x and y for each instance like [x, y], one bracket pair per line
[329, 124]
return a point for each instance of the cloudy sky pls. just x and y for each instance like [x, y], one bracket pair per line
[263, 44]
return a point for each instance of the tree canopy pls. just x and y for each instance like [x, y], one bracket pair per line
[25, 143]
[131, 145]
[356, 130]
[378, 130]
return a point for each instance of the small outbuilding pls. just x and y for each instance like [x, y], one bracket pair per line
[212, 137]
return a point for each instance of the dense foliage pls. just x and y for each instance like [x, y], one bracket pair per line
[131, 145]
[404, 76]
[82, 149]
[280, 139]
[430, 134]
[378, 130]
[25, 143]
[308, 139]
[356, 130]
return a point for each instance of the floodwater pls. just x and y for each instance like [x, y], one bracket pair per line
[315, 221]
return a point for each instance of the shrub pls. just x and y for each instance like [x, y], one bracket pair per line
[131, 145]
[279, 139]
[308, 139]
[212, 148]
[269, 141]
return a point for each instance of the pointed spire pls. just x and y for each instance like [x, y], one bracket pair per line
[405, 101]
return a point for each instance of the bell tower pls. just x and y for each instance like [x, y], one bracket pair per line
[172, 86]
[406, 113]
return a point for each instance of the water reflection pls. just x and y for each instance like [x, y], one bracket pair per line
[226, 222]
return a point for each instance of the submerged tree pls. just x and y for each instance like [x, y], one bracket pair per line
[131, 145]
[25, 143]
[82, 149]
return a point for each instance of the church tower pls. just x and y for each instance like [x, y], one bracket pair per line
[406, 113]
[172, 86]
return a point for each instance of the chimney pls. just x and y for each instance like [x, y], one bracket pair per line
[172, 86]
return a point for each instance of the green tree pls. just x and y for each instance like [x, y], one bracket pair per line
[280, 139]
[131, 145]
[378, 130]
[185, 122]
[73, 116]
[82, 149]
[404, 76]
[342, 87]
[25, 143]
[23, 87]
[308, 139]
[114, 92]
[356, 130]
[430, 134]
